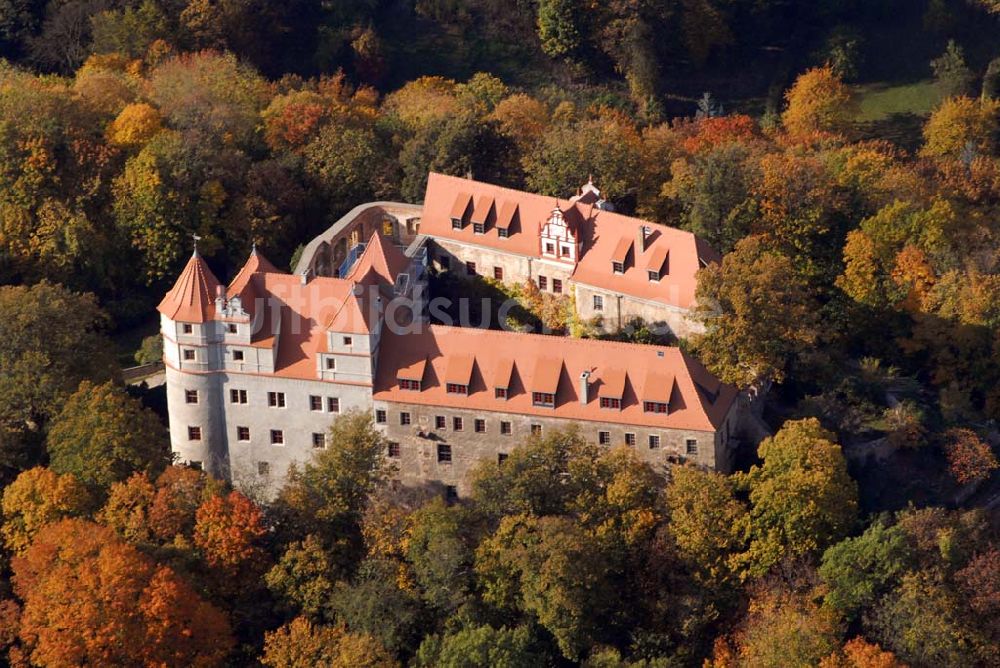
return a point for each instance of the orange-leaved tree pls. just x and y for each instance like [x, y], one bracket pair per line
[92, 599]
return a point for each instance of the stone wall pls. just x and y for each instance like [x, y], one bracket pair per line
[418, 442]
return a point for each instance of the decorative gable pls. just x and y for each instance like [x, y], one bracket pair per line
[557, 239]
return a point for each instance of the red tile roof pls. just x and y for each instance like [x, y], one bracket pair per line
[600, 233]
[540, 363]
[382, 260]
[192, 299]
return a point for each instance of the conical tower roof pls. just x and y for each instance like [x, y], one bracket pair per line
[381, 257]
[255, 264]
[192, 299]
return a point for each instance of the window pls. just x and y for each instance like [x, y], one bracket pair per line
[263, 468]
[612, 403]
[536, 430]
[502, 232]
[630, 439]
[543, 283]
[498, 273]
[500, 392]
[188, 354]
[196, 465]
[190, 396]
[331, 364]
[237, 396]
[380, 417]
[186, 328]
[194, 433]
[480, 426]
[405, 384]
[478, 228]
[598, 303]
[557, 286]
[319, 440]
[333, 404]
[404, 418]
[276, 399]
[457, 424]
[563, 251]
[237, 355]
[543, 399]
[277, 437]
[505, 428]
[691, 446]
[618, 267]
[231, 328]
[654, 407]
[501, 458]
[604, 437]
[654, 442]
[444, 452]
[439, 422]
[470, 268]
[654, 276]
[243, 433]
[315, 403]
[450, 493]
[455, 388]
[550, 248]
[348, 340]
[456, 223]
[393, 449]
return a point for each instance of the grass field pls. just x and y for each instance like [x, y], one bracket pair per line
[879, 101]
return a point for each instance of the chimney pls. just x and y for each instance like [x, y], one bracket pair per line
[640, 239]
[304, 278]
[584, 387]
[220, 299]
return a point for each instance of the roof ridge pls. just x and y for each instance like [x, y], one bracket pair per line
[585, 341]
[566, 204]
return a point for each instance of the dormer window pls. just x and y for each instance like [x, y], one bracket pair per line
[456, 388]
[654, 276]
[456, 223]
[543, 399]
[406, 384]
[618, 267]
[503, 232]
[565, 251]
[654, 407]
[501, 393]
[478, 228]
[186, 328]
[611, 403]
[550, 248]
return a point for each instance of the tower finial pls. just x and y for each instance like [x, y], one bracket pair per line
[253, 248]
[195, 239]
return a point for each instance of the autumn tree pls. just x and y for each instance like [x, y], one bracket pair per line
[961, 126]
[36, 498]
[90, 598]
[304, 578]
[759, 314]
[227, 531]
[328, 494]
[558, 27]
[180, 491]
[135, 125]
[859, 653]
[816, 103]
[970, 459]
[301, 643]
[802, 498]
[102, 436]
[549, 569]
[127, 508]
[786, 628]
[709, 524]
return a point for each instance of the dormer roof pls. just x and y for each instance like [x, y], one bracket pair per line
[255, 264]
[192, 299]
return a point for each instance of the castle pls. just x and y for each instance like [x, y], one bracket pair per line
[256, 371]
